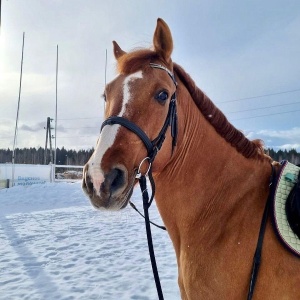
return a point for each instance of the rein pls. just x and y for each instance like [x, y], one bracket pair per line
[257, 254]
[152, 149]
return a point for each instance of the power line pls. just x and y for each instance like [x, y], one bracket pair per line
[77, 136]
[82, 127]
[252, 117]
[261, 96]
[265, 107]
[280, 113]
[79, 118]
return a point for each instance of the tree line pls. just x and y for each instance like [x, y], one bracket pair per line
[291, 155]
[79, 158]
[37, 156]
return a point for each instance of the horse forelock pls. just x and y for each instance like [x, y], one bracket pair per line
[249, 149]
[132, 62]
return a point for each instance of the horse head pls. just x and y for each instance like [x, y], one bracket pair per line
[141, 95]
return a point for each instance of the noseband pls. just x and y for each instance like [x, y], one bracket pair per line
[152, 149]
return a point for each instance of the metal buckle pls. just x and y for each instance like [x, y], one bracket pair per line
[139, 174]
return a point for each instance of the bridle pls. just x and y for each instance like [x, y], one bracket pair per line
[171, 120]
[152, 149]
[155, 145]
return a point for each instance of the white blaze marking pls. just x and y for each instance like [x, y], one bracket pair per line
[108, 136]
[106, 140]
[126, 90]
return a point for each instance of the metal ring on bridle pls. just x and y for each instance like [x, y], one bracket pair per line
[139, 174]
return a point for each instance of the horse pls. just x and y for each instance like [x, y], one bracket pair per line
[212, 184]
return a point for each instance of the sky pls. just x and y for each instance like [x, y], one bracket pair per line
[243, 54]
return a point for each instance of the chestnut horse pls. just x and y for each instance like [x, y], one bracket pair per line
[211, 188]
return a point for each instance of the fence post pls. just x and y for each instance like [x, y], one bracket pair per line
[54, 170]
[51, 172]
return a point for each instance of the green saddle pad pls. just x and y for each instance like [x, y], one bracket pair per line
[286, 181]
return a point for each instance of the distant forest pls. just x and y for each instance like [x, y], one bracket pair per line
[291, 155]
[37, 156]
[79, 158]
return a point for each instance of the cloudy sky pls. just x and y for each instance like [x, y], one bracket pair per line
[244, 54]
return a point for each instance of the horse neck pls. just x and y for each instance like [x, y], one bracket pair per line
[207, 180]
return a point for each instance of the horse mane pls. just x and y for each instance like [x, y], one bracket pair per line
[249, 149]
[132, 62]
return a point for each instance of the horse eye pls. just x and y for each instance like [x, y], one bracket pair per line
[162, 96]
[104, 97]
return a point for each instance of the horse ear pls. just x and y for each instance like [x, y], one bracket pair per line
[162, 40]
[118, 52]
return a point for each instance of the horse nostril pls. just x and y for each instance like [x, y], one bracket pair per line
[88, 183]
[119, 179]
[113, 181]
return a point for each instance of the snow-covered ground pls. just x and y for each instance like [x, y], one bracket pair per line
[54, 245]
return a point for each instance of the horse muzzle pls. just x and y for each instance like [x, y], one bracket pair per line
[107, 190]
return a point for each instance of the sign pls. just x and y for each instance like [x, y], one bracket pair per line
[26, 174]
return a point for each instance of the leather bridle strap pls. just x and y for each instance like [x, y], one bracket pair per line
[132, 127]
[146, 205]
[257, 254]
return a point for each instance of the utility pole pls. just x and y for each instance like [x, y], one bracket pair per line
[46, 144]
[48, 136]
[56, 105]
[50, 141]
[17, 118]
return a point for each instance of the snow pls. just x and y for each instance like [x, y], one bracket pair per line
[54, 245]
